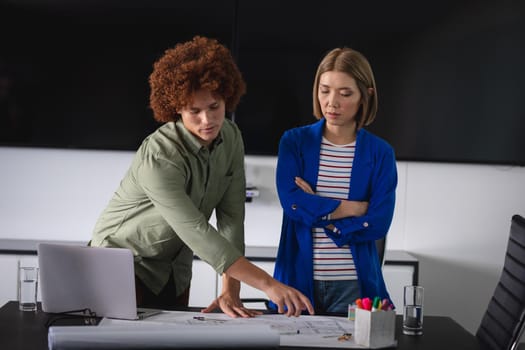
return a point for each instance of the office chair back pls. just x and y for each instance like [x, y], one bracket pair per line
[381, 248]
[502, 324]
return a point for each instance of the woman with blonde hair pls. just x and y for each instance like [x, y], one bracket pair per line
[336, 182]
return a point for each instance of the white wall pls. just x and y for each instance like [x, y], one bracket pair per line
[454, 217]
[56, 194]
[456, 221]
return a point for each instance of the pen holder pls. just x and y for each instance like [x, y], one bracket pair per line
[374, 329]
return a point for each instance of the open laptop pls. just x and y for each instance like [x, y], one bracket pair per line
[74, 277]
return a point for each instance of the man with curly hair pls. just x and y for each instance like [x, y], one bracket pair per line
[189, 167]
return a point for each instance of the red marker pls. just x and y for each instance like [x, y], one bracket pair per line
[367, 303]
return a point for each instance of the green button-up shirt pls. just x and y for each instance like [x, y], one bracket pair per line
[161, 209]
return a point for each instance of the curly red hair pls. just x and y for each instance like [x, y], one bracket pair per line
[201, 63]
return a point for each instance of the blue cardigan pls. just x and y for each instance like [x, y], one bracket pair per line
[374, 179]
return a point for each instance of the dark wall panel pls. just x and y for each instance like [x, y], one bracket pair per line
[449, 73]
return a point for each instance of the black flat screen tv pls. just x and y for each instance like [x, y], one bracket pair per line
[75, 74]
[449, 73]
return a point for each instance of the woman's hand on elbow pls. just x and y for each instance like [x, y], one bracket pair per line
[303, 185]
[349, 208]
[358, 208]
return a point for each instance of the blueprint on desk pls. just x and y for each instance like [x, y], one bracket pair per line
[303, 331]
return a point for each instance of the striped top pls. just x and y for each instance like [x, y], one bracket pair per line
[335, 171]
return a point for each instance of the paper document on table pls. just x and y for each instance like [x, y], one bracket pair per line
[138, 335]
[303, 331]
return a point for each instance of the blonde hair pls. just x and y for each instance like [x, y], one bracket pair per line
[356, 65]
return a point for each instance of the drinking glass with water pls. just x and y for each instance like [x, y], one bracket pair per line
[27, 288]
[413, 310]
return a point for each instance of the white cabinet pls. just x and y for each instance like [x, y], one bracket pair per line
[203, 288]
[400, 269]
[202, 292]
[250, 292]
[206, 285]
[396, 277]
